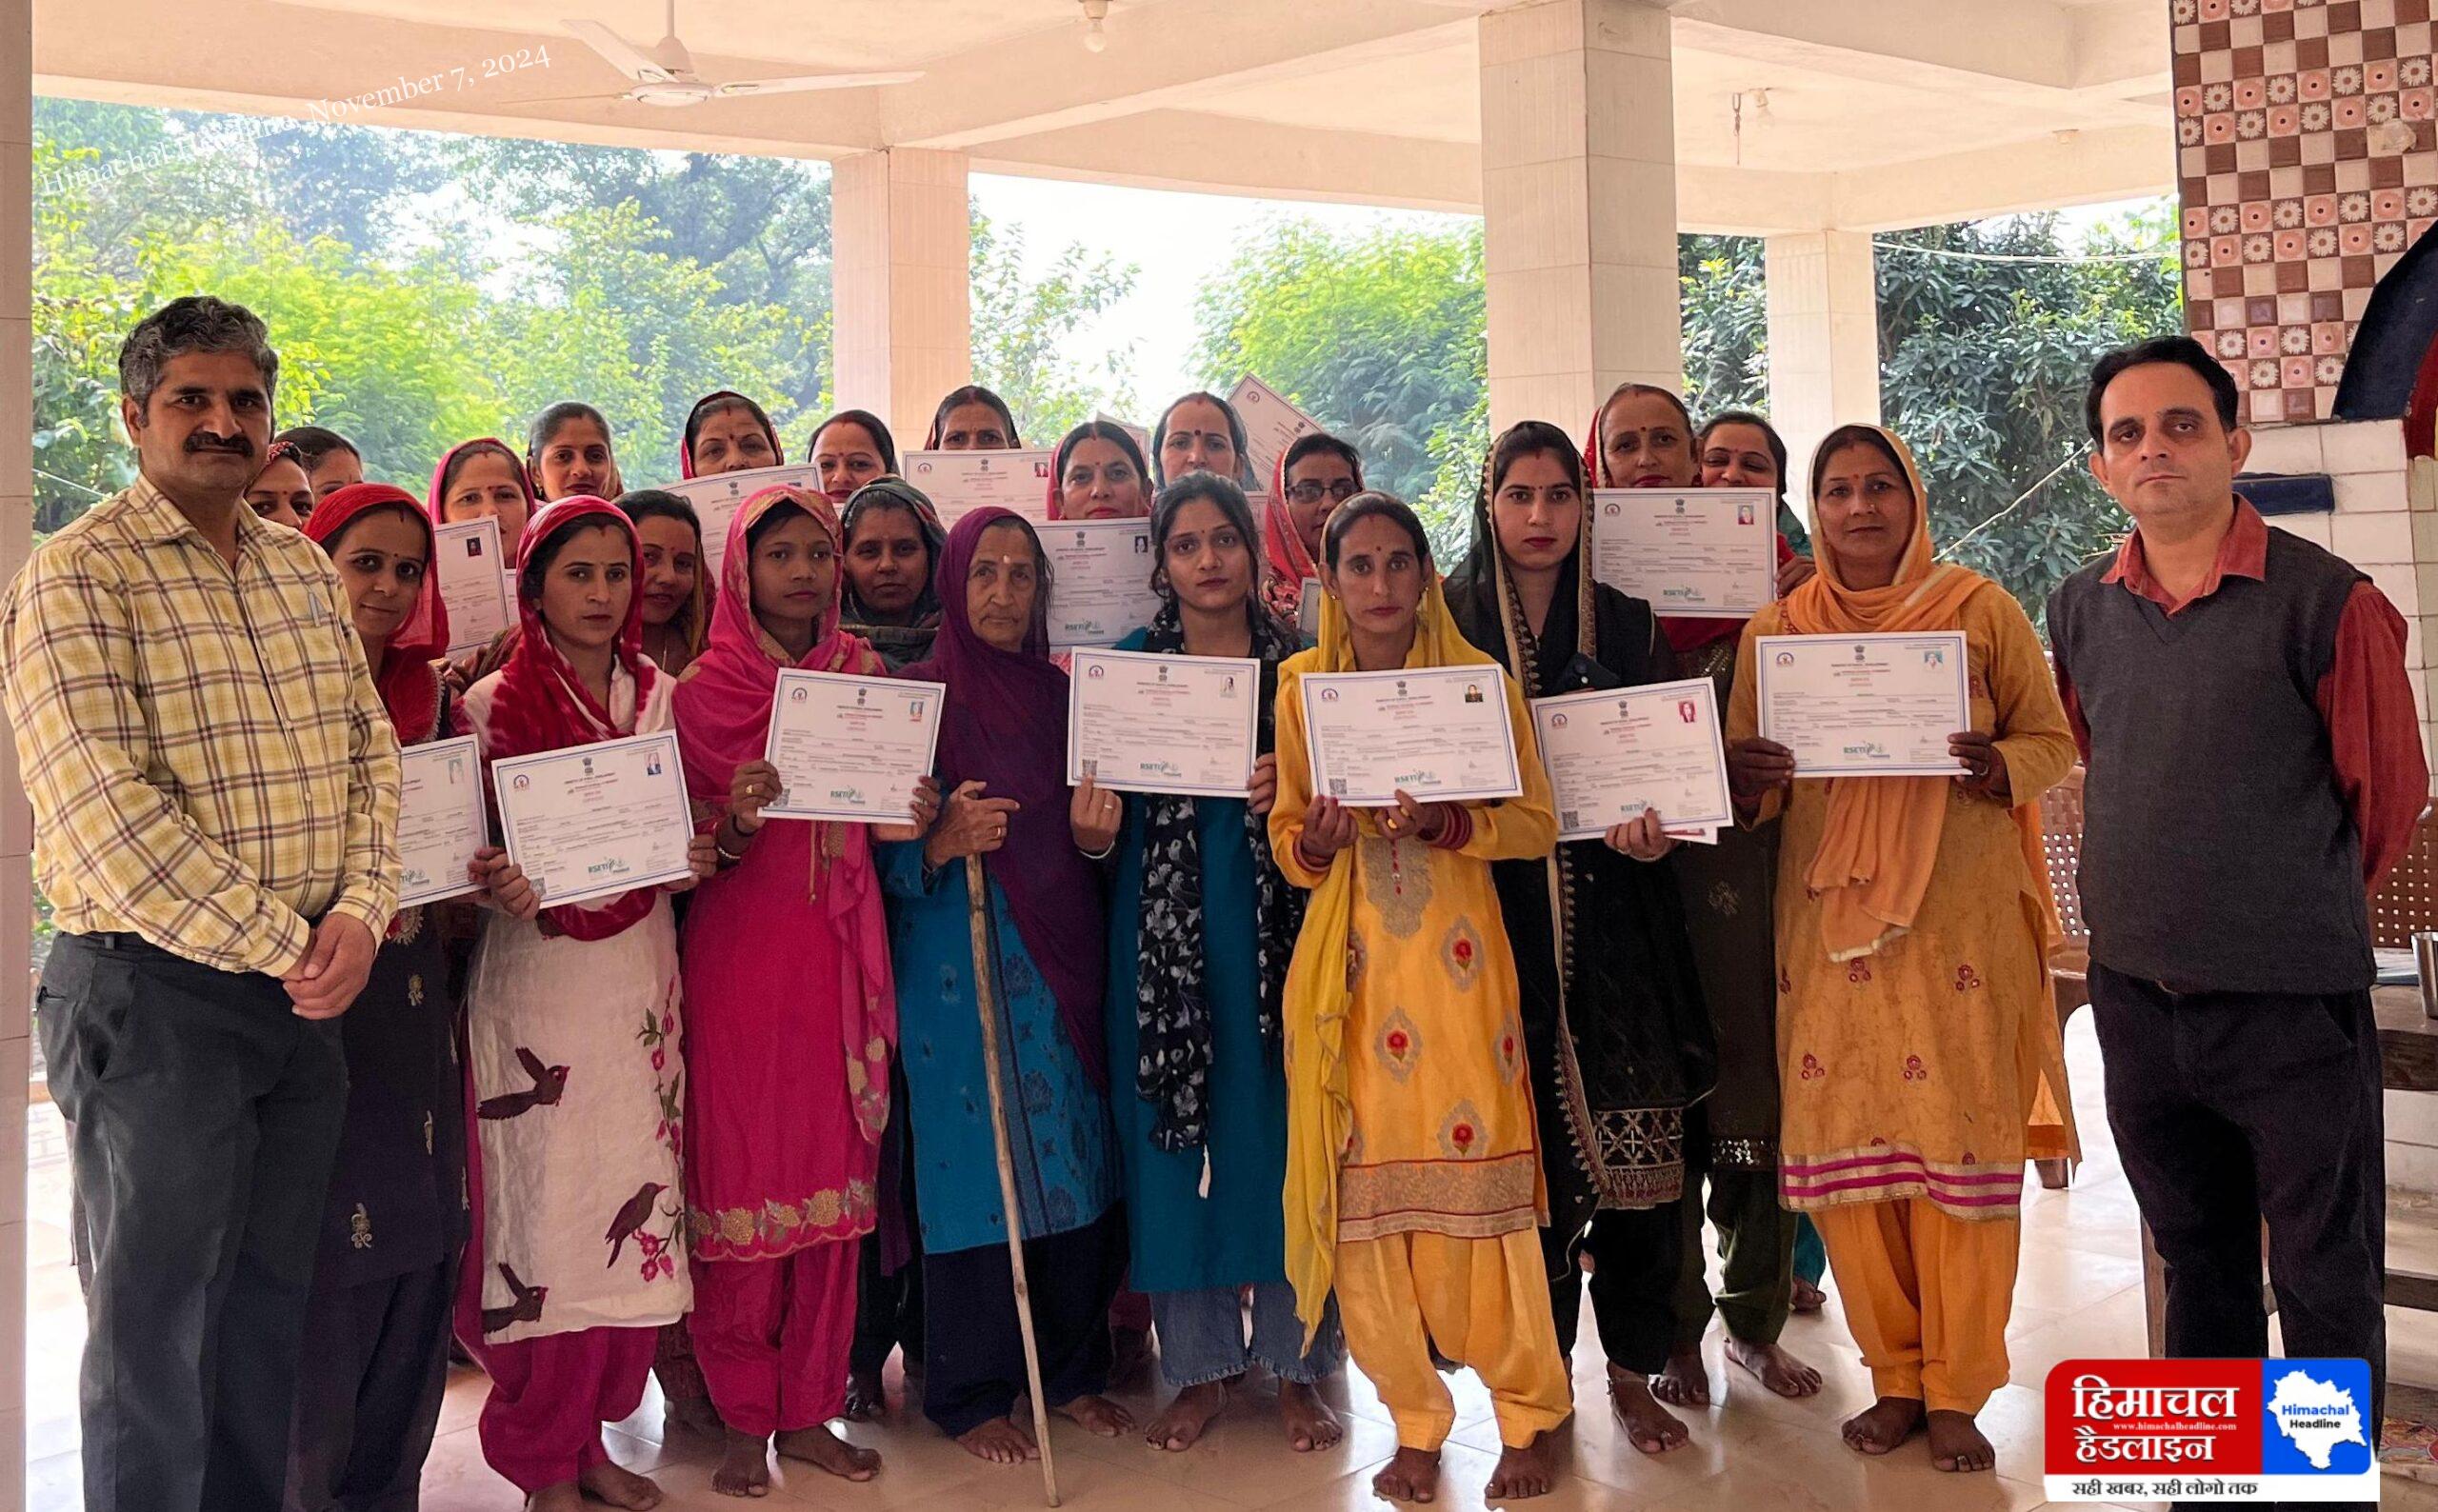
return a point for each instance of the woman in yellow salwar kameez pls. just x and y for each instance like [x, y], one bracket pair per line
[1916, 1042]
[1413, 1173]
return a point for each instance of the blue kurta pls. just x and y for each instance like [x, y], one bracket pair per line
[1058, 1122]
[1235, 1237]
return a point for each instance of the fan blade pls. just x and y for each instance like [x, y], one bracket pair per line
[812, 81]
[621, 54]
[562, 99]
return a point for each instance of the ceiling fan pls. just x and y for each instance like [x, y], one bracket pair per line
[665, 75]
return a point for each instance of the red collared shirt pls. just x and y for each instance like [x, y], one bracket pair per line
[2365, 698]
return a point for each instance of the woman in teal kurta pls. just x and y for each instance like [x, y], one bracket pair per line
[1201, 928]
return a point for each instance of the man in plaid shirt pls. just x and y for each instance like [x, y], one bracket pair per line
[215, 796]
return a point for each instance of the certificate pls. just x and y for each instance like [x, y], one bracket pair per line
[1614, 754]
[473, 582]
[1865, 705]
[1100, 579]
[958, 483]
[1145, 724]
[1438, 733]
[1272, 424]
[1709, 551]
[717, 498]
[440, 819]
[850, 747]
[1307, 611]
[1142, 437]
[593, 821]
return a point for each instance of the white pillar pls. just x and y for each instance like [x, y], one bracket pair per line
[1823, 342]
[901, 284]
[1578, 206]
[16, 819]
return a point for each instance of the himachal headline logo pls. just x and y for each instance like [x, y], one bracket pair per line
[2236, 1430]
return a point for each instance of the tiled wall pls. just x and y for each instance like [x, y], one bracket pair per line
[2296, 199]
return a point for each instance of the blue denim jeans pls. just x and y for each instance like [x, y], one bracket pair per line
[1202, 1335]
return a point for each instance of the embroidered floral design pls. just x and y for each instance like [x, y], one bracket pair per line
[1399, 1043]
[1460, 953]
[1914, 1071]
[1510, 1047]
[1724, 900]
[1400, 892]
[1965, 978]
[1812, 1069]
[1460, 1132]
[1858, 970]
[359, 1229]
[1355, 954]
[414, 990]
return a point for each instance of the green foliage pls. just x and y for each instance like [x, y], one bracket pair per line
[1377, 336]
[1727, 323]
[1020, 325]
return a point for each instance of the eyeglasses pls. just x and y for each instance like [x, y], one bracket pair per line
[1340, 490]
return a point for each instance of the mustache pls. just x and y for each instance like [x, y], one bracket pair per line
[236, 446]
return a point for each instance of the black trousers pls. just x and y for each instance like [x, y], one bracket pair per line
[368, 1390]
[2234, 1107]
[207, 1119]
[889, 1311]
[1634, 1256]
[972, 1345]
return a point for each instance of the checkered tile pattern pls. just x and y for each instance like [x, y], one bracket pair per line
[2292, 210]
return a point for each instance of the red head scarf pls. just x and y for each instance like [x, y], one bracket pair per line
[542, 704]
[724, 398]
[1005, 724]
[409, 684]
[1290, 562]
[1685, 633]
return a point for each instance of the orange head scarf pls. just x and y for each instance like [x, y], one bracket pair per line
[1882, 837]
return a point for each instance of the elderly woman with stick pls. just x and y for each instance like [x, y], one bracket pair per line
[996, 918]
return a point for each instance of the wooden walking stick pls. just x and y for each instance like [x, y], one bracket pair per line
[977, 911]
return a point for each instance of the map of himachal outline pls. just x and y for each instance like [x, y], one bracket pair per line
[2316, 1416]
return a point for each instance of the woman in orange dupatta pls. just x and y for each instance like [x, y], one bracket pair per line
[1918, 1053]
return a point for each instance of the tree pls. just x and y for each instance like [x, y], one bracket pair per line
[1019, 323]
[1378, 336]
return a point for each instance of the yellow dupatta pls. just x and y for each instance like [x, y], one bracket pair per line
[1319, 992]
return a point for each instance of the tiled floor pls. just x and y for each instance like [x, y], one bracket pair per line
[2079, 1294]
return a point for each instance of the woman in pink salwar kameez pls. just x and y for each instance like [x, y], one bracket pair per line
[791, 1015]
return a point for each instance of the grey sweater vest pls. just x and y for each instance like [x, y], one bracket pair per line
[2217, 853]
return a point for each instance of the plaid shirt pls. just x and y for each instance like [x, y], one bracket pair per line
[208, 761]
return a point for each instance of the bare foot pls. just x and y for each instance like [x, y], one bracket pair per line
[824, 1450]
[1182, 1420]
[1958, 1443]
[620, 1486]
[1309, 1423]
[1651, 1428]
[1098, 1414]
[1808, 1295]
[1880, 1427]
[564, 1496]
[1779, 1371]
[744, 1466]
[695, 1415]
[1686, 1382]
[1412, 1476]
[1000, 1440]
[1521, 1473]
[866, 1398]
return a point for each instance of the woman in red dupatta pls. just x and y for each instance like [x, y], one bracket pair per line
[1316, 473]
[787, 1049]
[473, 478]
[572, 1029]
[1642, 438]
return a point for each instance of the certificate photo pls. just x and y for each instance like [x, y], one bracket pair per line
[1865, 705]
[441, 821]
[1438, 734]
[851, 748]
[590, 822]
[1145, 724]
[1613, 754]
[1709, 551]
